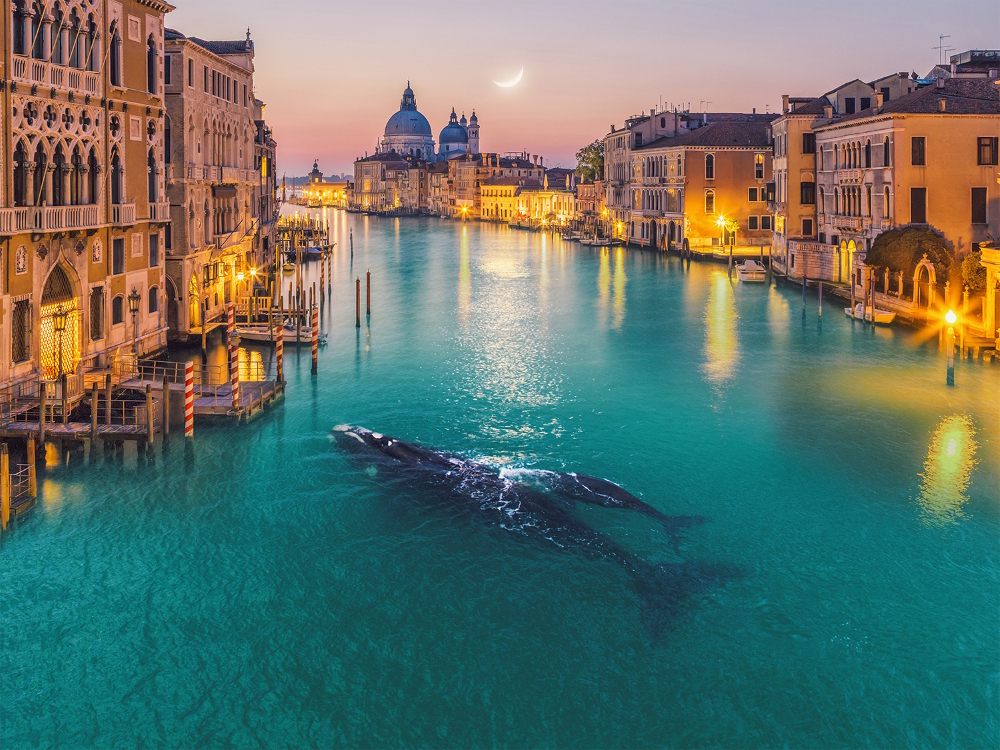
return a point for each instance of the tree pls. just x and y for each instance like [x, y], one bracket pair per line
[974, 272]
[901, 249]
[590, 161]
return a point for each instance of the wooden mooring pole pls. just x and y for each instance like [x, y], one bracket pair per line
[189, 399]
[358, 297]
[150, 425]
[368, 298]
[4, 486]
[32, 477]
[315, 339]
[234, 361]
[821, 299]
[166, 407]
[41, 412]
[95, 403]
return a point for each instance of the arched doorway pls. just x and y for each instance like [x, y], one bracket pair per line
[652, 235]
[671, 235]
[59, 351]
[172, 311]
[924, 279]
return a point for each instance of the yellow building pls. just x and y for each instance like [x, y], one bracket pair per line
[499, 198]
[84, 216]
[928, 157]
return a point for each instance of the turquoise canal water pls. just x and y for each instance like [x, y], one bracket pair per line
[262, 588]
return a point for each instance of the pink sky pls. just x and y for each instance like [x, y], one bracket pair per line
[332, 73]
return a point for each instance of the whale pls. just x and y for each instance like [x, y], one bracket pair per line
[541, 512]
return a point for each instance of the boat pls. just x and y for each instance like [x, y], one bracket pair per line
[751, 270]
[861, 312]
[261, 334]
[288, 268]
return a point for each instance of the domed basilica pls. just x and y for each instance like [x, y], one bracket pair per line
[409, 134]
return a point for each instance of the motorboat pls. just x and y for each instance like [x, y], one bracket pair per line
[751, 270]
[861, 312]
[288, 268]
[261, 334]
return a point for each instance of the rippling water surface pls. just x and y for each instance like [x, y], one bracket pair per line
[259, 588]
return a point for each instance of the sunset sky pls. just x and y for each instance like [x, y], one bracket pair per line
[333, 72]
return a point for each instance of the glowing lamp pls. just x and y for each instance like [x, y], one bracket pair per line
[239, 276]
[951, 317]
[722, 220]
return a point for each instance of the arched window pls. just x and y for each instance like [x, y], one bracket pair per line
[166, 140]
[116, 178]
[709, 201]
[885, 152]
[94, 175]
[709, 167]
[868, 200]
[91, 61]
[151, 71]
[19, 29]
[868, 154]
[822, 201]
[115, 55]
[758, 167]
[56, 55]
[836, 203]
[118, 310]
[154, 300]
[886, 214]
[21, 169]
[76, 178]
[151, 171]
[36, 34]
[41, 165]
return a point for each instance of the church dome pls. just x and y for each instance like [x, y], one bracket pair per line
[454, 133]
[408, 121]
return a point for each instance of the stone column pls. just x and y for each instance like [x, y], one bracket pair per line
[49, 171]
[64, 176]
[95, 55]
[46, 38]
[64, 43]
[26, 40]
[85, 185]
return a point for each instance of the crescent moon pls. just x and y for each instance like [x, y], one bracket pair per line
[512, 82]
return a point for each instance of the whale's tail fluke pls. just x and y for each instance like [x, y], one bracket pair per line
[662, 588]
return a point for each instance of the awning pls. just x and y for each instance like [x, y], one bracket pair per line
[224, 191]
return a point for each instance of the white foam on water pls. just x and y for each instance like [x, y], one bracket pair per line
[377, 435]
[342, 428]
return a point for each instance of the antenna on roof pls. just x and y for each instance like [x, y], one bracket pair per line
[940, 48]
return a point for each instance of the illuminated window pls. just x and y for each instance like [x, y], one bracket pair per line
[709, 167]
[709, 201]
[758, 166]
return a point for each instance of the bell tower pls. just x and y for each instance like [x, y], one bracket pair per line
[474, 134]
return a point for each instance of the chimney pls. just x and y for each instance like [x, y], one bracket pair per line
[541, 161]
[879, 100]
[939, 83]
[953, 70]
[941, 104]
[784, 104]
[828, 112]
[704, 118]
[534, 159]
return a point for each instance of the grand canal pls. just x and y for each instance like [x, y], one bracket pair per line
[259, 588]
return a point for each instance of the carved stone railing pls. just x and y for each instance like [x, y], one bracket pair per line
[62, 218]
[41, 73]
[123, 214]
[17, 220]
[159, 211]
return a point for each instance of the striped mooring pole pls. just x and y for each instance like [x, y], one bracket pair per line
[279, 353]
[234, 356]
[189, 399]
[315, 338]
[322, 277]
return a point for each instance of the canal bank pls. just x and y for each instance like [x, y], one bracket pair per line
[262, 587]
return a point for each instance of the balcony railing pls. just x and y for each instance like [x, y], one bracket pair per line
[61, 218]
[849, 175]
[123, 214]
[159, 211]
[847, 222]
[38, 72]
[230, 175]
[195, 173]
[17, 220]
[212, 174]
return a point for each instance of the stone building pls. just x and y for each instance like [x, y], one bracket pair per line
[83, 215]
[214, 185]
[684, 188]
[266, 193]
[929, 157]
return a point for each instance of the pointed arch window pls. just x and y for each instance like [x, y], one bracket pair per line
[152, 56]
[709, 201]
[115, 56]
[868, 154]
[116, 178]
[709, 166]
[151, 170]
[885, 152]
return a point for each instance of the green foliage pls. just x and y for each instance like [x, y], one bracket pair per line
[590, 161]
[974, 273]
[901, 249]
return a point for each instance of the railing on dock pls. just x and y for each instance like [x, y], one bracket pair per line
[204, 377]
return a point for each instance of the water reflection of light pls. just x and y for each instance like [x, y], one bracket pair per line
[721, 345]
[604, 286]
[251, 365]
[619, 281]
[464, 285]
[951, 459]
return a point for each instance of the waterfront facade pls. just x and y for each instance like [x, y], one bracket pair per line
[84, 217]
[266, 193]
[214, 185]
[926, 158]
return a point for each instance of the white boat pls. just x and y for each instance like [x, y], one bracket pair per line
[751, 270]
[261, 334]
[288, 268]
[860, 312]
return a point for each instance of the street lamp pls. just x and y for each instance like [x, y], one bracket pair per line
[59, 325]
[133, 307]
[950, 318]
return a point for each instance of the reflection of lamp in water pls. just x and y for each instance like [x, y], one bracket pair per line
[948, 469]
[950, 344]
[59, 325]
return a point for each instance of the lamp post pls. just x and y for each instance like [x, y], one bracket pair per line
[59, 326]
[133, 307]
[950, 344]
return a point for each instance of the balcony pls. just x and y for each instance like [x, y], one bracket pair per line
[849, 175]
[40, 73]
[212, 174]
[196, 173]
[17, 220]
[68, 218]
[122, 214]
[159, 212]
[850, 223]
